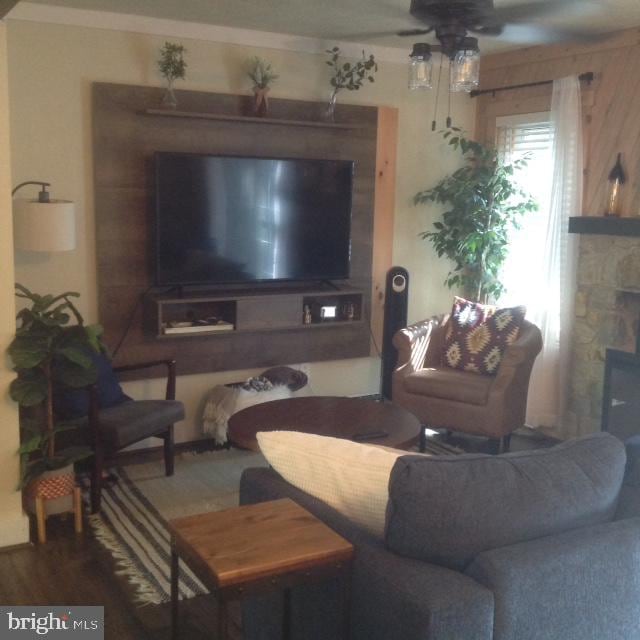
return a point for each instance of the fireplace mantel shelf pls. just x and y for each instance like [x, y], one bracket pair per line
[607, 226]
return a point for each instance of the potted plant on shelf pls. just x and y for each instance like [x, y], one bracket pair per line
[262, 75]
[484, 203]
[347, 76]
[173, 67]
[48, 352]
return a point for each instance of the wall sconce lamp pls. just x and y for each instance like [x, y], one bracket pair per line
[43, 224]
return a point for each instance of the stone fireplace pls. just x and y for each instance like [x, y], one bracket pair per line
[607, 309]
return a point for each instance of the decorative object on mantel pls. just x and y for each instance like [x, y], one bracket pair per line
[43, 224]
[617, 178]
[173, 67]
[262, 75]
[484, 204]
[47, 352]
[347, 76]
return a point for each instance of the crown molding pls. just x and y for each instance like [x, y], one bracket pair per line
[50, 14]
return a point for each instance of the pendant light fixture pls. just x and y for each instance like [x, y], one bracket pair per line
[465, 66]
[463, 54]
[420, 67]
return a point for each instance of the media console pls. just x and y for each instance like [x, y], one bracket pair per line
[215, 314]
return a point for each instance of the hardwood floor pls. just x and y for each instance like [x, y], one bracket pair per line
[73, 569]
[67, 571]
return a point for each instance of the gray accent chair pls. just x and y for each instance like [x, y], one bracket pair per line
[115, 428]
[534, 545]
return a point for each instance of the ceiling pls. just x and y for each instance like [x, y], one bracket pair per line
[350, 20]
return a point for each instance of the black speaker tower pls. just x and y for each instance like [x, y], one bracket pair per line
[395, 317]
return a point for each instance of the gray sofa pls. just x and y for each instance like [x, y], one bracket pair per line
[540, 545]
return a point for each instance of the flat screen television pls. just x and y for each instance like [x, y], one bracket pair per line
[227, 219]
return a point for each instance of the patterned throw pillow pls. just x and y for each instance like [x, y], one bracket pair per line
[477, 336]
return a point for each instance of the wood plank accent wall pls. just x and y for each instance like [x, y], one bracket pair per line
[611, 119]
[125, 139]
[386, 158]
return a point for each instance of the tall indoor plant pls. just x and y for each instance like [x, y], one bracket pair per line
[483, 204]
[49, 352]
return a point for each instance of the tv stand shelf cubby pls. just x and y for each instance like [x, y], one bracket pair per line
[220, 312]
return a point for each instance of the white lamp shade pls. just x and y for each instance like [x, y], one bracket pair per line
[44, 226]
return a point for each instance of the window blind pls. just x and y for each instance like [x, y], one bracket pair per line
[515, 139]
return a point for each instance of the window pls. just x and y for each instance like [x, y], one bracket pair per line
[530, 134]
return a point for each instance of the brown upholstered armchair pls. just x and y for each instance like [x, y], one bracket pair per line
[445, 398]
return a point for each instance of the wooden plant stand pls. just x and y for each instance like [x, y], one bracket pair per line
[41, 514]
[53, 485]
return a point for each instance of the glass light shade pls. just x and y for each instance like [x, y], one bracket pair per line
[465, 67]
[420, 67]
[44, 226]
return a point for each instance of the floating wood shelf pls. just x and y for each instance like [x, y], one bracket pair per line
[606, 226]
[237, 118]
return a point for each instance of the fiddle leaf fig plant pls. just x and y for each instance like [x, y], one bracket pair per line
[483, 205]
[48, 351]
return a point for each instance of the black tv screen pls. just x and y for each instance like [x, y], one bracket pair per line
[225, 219]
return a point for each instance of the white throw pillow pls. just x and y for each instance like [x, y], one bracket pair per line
[351, 477]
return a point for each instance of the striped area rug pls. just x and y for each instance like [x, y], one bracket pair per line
[135, 534]
[132, 522]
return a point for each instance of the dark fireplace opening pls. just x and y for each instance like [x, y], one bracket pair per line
[621, 397]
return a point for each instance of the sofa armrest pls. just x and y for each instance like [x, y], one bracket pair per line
[392, 596]
[419, 344]
[583, 583]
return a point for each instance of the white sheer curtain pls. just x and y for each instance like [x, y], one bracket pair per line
[549, 285]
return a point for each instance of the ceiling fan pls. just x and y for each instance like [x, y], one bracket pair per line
[451, 21]
[456, 23]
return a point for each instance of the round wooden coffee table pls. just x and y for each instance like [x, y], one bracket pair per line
[326, 416]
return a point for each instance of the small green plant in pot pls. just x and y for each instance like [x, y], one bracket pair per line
[347, 75]
[49, 351]
[262, 76]
[483, 204]
[172, 66]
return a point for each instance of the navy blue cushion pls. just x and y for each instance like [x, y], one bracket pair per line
[74, 403]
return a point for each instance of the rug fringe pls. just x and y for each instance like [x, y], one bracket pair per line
[144, 592]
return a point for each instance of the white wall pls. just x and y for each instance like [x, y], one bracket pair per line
[51, 69]
[13, 525]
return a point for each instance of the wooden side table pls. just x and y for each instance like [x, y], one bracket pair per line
[256, 549]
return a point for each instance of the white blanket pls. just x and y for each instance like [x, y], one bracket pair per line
[222, 402]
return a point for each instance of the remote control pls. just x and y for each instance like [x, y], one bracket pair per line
[369, 435]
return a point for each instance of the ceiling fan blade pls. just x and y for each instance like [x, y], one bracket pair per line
[363, 37]
[487, 30]
[538, 34]
[527, 11]
[414, 32]
[6, 6]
